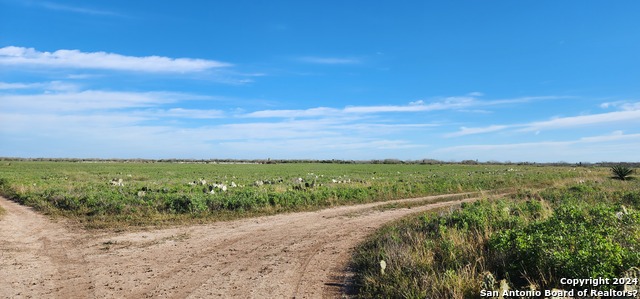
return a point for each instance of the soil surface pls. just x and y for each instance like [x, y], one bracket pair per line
[296, 255]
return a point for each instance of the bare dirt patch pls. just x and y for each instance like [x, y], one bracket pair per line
[296, 255]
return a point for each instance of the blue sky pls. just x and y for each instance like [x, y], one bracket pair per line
[539, 81]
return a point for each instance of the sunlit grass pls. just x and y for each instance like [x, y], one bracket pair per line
[528, 240]
[159, 193]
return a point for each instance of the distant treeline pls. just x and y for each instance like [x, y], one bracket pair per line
[333, 161]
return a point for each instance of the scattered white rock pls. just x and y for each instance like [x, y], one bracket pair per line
[117, 182]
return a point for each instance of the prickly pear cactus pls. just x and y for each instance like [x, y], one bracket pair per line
[488, 282]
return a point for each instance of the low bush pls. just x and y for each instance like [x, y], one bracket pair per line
[529, 241]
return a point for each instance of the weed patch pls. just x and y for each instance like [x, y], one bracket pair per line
[529, 241]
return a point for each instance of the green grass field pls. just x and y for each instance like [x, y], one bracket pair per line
[116, 193]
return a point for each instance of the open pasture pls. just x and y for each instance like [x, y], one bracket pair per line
[99, 193]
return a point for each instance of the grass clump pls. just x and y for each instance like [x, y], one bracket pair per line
[526, 242]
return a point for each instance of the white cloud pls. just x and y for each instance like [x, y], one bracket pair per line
[322, 147]
[185, 113]
[469, 131]
[385, 108]
[20, 56]
[476, 111]
[449, 103]
[10, 86]
[81, 76]
[320, 111]
[416, 106]
[558, 123]
[527, 99]
[76, 9]
[158, 123]
[49, 86]
[613, 147]
[630, 106]
[162, 124]
[614, 136]
[87, 100]
[584, 120]
[623, 105]
[329, 60]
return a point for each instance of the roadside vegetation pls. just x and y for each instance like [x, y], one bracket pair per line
[100, 194]
[527, 241]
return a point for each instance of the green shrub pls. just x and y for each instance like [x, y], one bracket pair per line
[567, 244]
[186, 204]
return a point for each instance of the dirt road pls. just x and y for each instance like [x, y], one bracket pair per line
[297, 255]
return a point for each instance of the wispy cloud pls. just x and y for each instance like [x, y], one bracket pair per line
[611, 147]
[13, 86]
[417, 106]
[557, 123]
[87, 100]
[624, 105]
[313, 112]
[449, 103]
[184, 113]
[53, 86]
[469, 131]
[75, 59]
[75, 9]
[325, 147]
[584, 120]
[329, 60]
